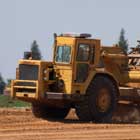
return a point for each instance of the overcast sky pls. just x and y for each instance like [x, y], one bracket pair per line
[22, 21]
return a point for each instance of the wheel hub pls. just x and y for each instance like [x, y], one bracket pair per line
[103, 100]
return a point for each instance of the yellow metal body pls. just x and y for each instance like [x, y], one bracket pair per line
[117, 63]
[39, 86]
[67, 72]
[108, 61]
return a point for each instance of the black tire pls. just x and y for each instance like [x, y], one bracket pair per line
[89, 109]
[45, 112]
[82, 110]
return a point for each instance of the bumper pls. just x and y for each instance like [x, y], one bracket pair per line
[24, 89]
[57, 96]
[29, 90]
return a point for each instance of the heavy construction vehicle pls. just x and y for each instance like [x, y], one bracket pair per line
[83, 75]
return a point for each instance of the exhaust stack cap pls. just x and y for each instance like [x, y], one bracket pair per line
[27, 55]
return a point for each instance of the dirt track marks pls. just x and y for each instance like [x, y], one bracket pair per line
[19, 124]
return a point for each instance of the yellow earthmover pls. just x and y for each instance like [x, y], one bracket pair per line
[83, 75]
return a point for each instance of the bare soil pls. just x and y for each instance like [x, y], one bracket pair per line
[20, 124]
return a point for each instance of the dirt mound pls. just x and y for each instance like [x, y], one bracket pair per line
[127, 113]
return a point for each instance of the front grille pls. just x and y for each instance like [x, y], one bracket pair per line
[28, 72]
[31, 84]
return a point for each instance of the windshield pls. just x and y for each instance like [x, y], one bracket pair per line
[63, 54]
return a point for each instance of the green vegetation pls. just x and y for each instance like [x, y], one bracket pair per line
[8, 84]
[123, 43]
[6, 101]
[2, 84]
[36, 54]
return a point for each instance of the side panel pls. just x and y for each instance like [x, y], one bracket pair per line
[83, 87]
[132, 78]
[65, 73]
[87, 70]
[117, 64]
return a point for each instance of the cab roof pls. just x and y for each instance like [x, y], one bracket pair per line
[82, 35]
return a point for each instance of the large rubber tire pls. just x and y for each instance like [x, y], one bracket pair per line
[89, 110]
[45, 112]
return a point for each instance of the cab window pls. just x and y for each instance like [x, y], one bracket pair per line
[83, 52]
[82, 66]
[63, 54]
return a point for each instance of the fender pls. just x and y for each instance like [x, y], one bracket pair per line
[96, 72]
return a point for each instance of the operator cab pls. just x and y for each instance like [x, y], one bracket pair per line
[63, 50]
[78, 54]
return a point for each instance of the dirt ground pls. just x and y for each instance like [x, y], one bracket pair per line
[20, 124]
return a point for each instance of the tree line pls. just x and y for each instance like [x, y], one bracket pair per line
[36, 55]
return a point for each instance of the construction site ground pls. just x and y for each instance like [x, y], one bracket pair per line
[20, 124]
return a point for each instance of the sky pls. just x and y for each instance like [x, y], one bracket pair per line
[22, 21]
